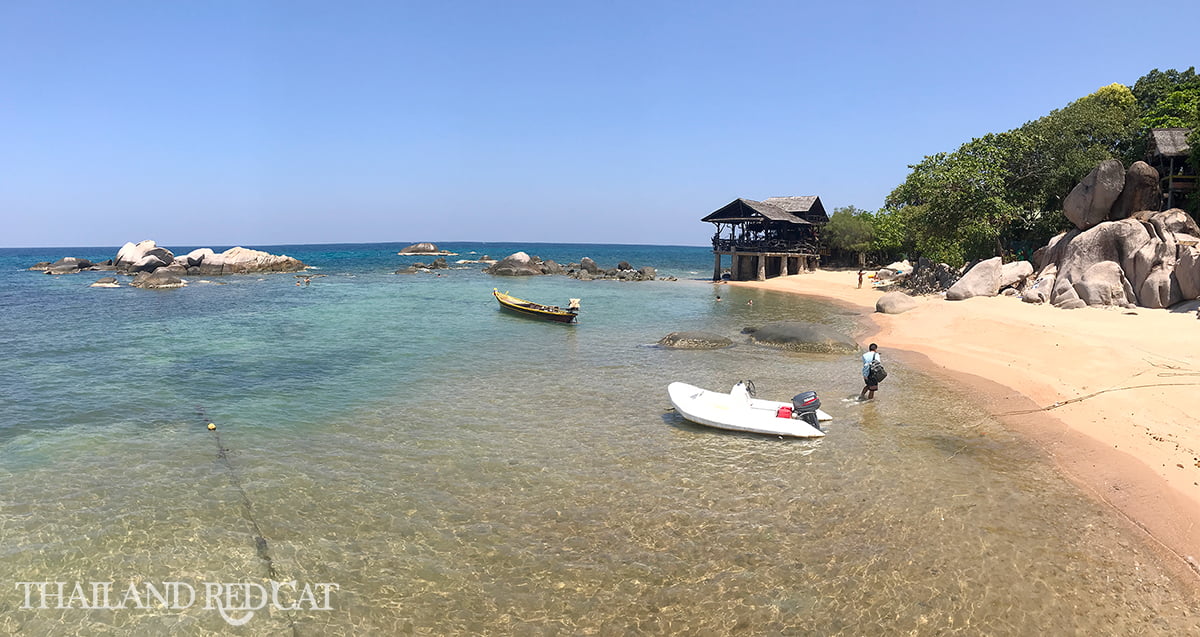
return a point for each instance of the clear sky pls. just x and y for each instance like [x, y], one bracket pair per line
[212, 122]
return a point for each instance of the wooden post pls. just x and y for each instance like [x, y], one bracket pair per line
[735, 267]
[716, 266]
[783, 265]
[762, 267]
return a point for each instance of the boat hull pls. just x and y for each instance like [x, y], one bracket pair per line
[533, 310]
[723, 411]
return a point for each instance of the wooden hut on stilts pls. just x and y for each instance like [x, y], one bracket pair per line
[763, 239]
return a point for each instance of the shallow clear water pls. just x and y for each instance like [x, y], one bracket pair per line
[457, 470]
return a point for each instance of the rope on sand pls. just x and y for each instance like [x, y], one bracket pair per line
[260, 540]
[1064, 403]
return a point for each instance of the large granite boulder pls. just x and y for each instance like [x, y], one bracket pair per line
[981, 280]
[799, 336]
[1091, 201]
[516, 264]
[1014, 275]
[694, 340]
[239, 260]
[1141, 192]
[144, 256]
[1187, 271]
[895, 303]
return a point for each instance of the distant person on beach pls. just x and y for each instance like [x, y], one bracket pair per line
[869, 357]
[860, 276]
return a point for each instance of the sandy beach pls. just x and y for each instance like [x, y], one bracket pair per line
[1110, 395]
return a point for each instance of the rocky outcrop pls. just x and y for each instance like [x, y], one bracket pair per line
[694, 340]
[516, 264]
[438, 264]
[149, 257]
[106, 282]
[521, 264]
[423, 249]
[144, 256]
[930, 278]
[1091, 201]
[895, 303]
[799, 336]
[1147, 260]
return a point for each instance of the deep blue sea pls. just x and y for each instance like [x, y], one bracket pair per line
[432, 465]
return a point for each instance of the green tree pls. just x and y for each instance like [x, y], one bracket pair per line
[850, 230]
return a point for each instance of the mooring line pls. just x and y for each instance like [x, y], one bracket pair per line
[260, 539]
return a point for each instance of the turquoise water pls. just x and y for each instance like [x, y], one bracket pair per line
[458, 470]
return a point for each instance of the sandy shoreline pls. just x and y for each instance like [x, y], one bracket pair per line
[1126, 385]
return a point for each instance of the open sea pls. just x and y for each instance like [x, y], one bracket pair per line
[394, 455]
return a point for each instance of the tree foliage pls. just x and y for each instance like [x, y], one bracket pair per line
[850, 230]
[1008, 187]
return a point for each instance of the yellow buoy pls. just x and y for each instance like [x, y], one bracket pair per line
[211, 426]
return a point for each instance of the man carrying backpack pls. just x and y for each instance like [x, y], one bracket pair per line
[872, 372]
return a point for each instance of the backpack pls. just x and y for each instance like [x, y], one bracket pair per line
[875, 372]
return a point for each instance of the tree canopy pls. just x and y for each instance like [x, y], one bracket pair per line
[1007, 188]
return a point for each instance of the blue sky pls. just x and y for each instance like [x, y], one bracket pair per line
[259, 123]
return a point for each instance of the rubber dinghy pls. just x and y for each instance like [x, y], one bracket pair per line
[740, 411]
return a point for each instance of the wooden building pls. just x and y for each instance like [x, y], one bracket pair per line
[1169, 155]
[763, 239]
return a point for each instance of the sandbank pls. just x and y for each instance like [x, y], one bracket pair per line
[1112, 396]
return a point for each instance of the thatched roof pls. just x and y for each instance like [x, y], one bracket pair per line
[796, 210]
[751, 210]
[1169, 142]
[806, 207]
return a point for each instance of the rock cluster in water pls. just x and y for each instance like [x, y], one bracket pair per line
[522, 264]
[153, 266]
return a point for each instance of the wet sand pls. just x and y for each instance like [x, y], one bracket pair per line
[1111, 395]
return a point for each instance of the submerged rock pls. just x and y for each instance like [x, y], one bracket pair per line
[694, 340]
[799, 336]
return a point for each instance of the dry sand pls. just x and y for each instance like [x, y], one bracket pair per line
[1112, 396]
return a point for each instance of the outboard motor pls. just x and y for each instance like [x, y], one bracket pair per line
[805, 406]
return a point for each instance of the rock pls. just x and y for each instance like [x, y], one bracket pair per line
[1141, 192]
[239, 260]
[694, 340]
[1091, 201]
[105, 282]
[588, 265]
[895, 303]
[516, 264]
[198, 256]
[1014, 274]
[1040, 290]
[647, 273]
[804, 337]
[147, 263]
[1187, 271]
[156, 280]
[424, 248]
[67, 265]
[135, 257]
[551, 267]
[930, 278]
[981, 280]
